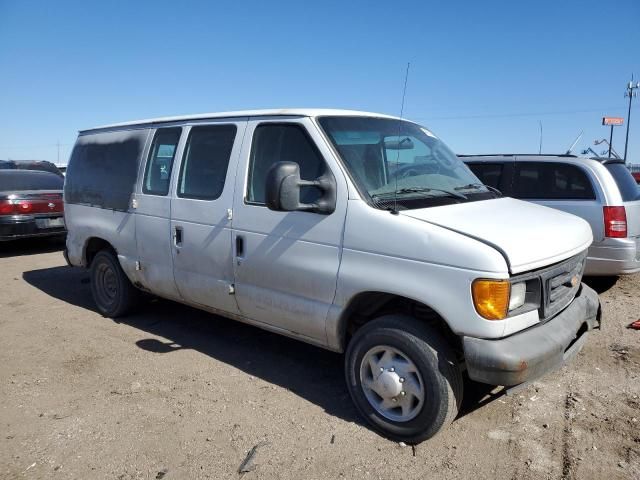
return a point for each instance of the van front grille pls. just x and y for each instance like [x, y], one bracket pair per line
[561, 284]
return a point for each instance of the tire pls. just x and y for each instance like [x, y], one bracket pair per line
[409, 341]
[112, 291]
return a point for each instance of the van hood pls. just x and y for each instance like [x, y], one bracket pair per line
[529, 236]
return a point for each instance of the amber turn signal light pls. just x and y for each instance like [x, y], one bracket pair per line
[491, 298]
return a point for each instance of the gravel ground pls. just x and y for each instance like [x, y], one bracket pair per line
[172, 392]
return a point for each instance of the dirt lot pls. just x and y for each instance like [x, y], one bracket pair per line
[176, 393]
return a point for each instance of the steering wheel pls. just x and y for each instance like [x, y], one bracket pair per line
[413, 170]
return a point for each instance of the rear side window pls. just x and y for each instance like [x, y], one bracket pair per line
[629, 189]
[160, 163]
[103, 168]
[488, 173]
[205, 161]
[21, 180]
[274, 143]
[551, 181]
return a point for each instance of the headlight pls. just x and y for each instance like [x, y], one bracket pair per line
[491, 298]
[518, 295]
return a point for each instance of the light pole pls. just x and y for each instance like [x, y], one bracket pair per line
[629, 93]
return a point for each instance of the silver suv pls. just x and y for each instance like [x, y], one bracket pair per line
[603, 192]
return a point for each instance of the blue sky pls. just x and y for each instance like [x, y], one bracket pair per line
[483, 73]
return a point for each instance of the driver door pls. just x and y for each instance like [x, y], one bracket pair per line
[286, 263]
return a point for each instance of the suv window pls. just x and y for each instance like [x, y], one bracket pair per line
[552, 181]
[488, 173]
[160, 163]
[629, 189]
[274, 143]
[205, 161]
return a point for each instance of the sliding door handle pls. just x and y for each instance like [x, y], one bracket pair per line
[177, 236]
[239, 246]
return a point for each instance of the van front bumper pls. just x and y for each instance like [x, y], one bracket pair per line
[530, 354]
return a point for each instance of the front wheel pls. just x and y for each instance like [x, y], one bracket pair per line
[403, 378]
[112, 291]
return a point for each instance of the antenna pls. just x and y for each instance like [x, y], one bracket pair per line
[540, 147]
[568, 152]
[395, 188]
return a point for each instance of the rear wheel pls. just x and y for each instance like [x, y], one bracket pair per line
[403, 378]
[112, 291]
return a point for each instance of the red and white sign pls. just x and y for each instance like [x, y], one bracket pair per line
[612, 120]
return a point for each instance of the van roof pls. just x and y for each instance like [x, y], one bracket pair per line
[297, 112]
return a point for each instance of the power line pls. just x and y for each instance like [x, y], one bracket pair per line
[53, 145]
[510, 115]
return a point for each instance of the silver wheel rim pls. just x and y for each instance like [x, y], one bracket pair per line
[392, 383]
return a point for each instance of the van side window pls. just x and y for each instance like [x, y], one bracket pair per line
[205, 161]
[274, 143]
[103, 168]
[551, 181]
[158, 171]
[488, 173]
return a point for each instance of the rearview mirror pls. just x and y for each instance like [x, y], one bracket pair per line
[283, 185]
[399, 144]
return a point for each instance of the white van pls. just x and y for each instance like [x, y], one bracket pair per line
[358, 232]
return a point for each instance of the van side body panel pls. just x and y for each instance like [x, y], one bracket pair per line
[399, 255]
[116, 228]
[102, 177]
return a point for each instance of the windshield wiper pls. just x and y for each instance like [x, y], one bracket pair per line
[402, 191]
[475, 186]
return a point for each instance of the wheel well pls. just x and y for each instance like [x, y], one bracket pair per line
[93, 246]
[368, 306]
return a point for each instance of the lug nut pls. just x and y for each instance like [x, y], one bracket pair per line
[392, 369]
[381, 369]
[394, 399]
[401, 379]
[403, 393]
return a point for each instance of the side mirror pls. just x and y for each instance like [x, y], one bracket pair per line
[283, 187]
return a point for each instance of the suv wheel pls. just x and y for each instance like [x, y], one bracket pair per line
[112, 291]
[403, 378]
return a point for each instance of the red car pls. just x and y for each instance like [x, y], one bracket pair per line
[636, 175]
[30, 204]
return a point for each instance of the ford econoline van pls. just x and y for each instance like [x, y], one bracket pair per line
[358, 232]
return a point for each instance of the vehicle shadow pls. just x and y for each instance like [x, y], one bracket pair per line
[601, 284]
[309, 372]
[31, 246]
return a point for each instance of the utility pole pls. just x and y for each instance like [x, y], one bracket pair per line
[629, 93]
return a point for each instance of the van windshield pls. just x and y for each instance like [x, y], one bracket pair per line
[400, 165]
